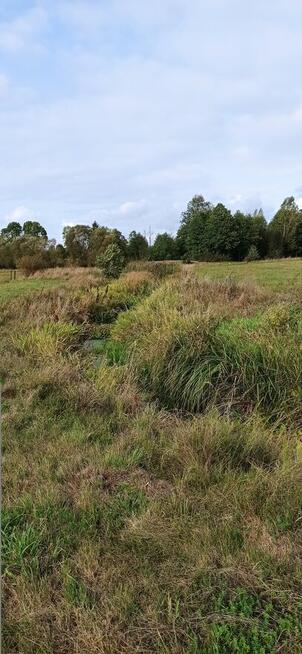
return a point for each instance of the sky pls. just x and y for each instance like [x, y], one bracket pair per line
[121, 110]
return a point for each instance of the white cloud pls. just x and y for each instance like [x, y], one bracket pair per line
[130, 207]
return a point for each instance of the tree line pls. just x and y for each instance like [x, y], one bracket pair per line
[206, 233]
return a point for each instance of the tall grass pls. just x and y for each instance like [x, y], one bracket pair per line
[209, 356]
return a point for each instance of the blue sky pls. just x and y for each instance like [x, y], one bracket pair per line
[122, 110]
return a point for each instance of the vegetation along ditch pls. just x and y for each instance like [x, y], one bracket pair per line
[152, 462]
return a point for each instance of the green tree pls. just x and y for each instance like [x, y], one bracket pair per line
[164, 247]
[282, 229]
[33, 228]
[259, 232]
[243, 227]
[138, 247]
[298, 237]
[77, 243]
[222, 237]
[190, 237]
[7, 259]
[12, 230]
[100, 238]
[112, 261]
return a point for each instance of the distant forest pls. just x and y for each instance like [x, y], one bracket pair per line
[206, 233]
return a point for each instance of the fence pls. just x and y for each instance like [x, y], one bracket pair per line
[9, 275]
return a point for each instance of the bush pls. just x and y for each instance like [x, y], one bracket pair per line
[159, 269]
[253, 254]
[29, 264]
[112, 261]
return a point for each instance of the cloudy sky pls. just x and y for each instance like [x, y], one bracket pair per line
[121, 110]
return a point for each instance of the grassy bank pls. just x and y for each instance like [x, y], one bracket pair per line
[152, 466]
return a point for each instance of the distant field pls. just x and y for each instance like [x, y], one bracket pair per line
[12, 289]
[6, 275]
[276, 273]
[47, 279]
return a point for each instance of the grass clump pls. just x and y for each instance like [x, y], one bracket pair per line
[50, 339]
[207, 357]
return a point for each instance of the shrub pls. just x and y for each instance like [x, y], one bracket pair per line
[159, 269]
[29, 264]
[253, 254]
[112, 261]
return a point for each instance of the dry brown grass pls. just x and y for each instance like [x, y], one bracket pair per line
[75, 273]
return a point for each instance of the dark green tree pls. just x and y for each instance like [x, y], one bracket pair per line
[222, 237]
[190, 237]
[164, 247]
[12, 230]
[259, 232]
[242, 226]
[298, 237]
[34, 228]
[138, 247]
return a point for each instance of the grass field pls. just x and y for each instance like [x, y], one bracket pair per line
[21, 287]
[276, 274]
[152, 446]
[53, 278]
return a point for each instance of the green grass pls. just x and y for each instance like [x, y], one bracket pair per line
[152, 469]
[276, 274]
[18, 288]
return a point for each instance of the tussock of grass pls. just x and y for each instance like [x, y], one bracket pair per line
[49, 339]
[204, 356]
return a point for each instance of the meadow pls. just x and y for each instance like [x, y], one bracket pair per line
[276, 274]
[152, 479]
